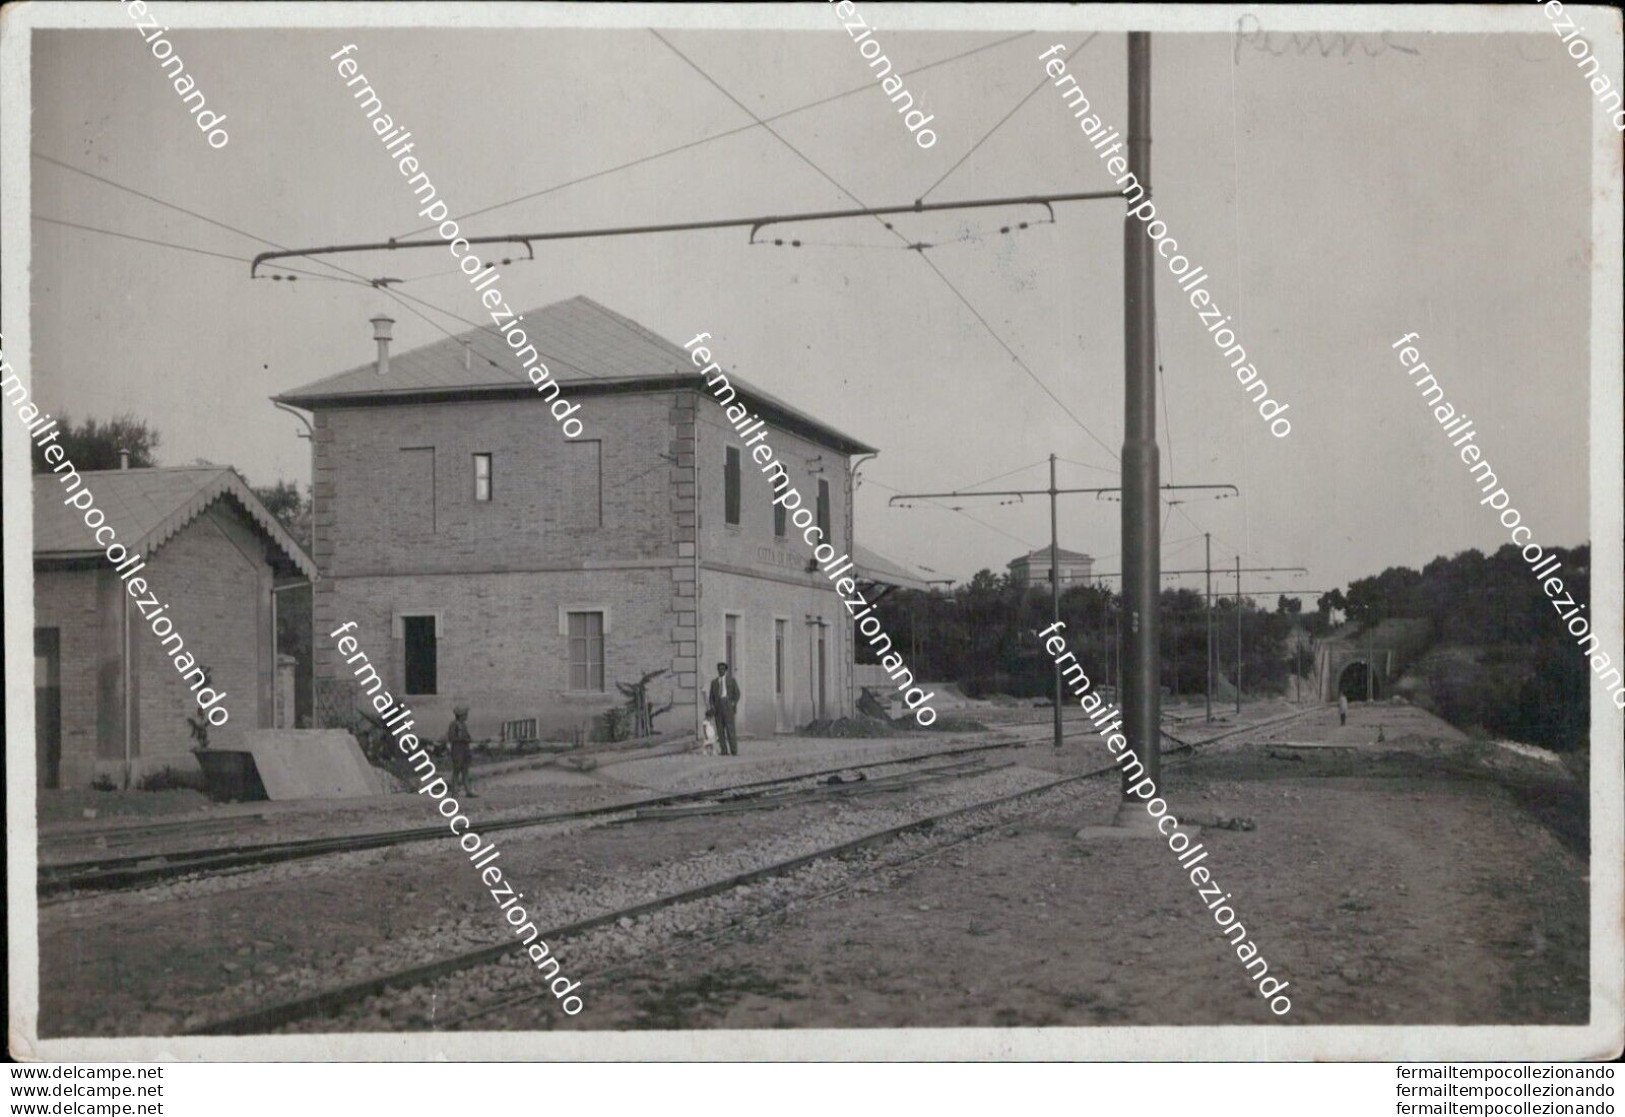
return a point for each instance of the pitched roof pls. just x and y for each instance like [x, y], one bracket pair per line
[1042, 555]
[876, 567]
[146, 508]
[586, 347]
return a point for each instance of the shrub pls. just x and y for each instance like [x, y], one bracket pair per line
[169, 779]
[103, 782]
[616, 723]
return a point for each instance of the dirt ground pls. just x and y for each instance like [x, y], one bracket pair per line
[1389, 882]
[1386, 888]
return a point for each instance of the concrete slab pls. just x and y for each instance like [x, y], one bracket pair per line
[313, 764]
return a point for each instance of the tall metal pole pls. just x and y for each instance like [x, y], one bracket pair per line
[1142, 714]
[1055, 589]
[1238, 634]
[1207, 541]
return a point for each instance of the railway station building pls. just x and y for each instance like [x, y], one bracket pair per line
[490, 560]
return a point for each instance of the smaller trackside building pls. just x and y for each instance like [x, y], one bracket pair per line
[104, 689]
[488, 559]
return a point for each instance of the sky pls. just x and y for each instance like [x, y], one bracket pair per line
[1436, 183]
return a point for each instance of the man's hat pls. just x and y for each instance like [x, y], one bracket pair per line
[460, 710]
[722, 667]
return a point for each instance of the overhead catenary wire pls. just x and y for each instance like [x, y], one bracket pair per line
[774, 132]
[961, 512]
[355, 277]
[1086, 465]
[1007, 473]
[989, 133]
[719, 136]
[757, 222]
[188, 248]
[402, 298]
[1014, 356]
[939, 273]
[965, 238]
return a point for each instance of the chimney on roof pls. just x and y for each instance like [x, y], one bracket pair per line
[381, 334]
[124, 457]
[468, 354]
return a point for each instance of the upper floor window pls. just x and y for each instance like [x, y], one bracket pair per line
[482, 477]
[414, 482]
[581, 483]
[780, 527]
[823, 511]
[730, 486]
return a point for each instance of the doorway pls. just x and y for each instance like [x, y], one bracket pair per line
[823, 714]
[781, 672]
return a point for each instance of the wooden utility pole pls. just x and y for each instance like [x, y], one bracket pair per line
[1238, 634]
[1055, 588]
[1054, 544]
[1212, 654]
[1207, 543]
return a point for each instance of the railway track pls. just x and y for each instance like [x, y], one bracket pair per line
[333, 1000]
[135, 870]
[132, 870]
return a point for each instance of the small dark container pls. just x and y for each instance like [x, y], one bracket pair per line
[231, 774]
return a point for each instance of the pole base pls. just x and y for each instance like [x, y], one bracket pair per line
[1135, 820]
[1131, 822]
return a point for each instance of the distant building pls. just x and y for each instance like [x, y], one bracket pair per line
[492, 561]
[1033, 568]
[106, 692]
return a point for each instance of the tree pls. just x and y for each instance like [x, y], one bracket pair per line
[1327, 603]
[291, 510]
[293, 614]
[94, 444]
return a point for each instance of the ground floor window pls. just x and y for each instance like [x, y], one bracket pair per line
[586, 651]
[422, 655]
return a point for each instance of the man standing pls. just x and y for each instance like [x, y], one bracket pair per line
[724, 705]
[459, 738]
[1342, 709]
